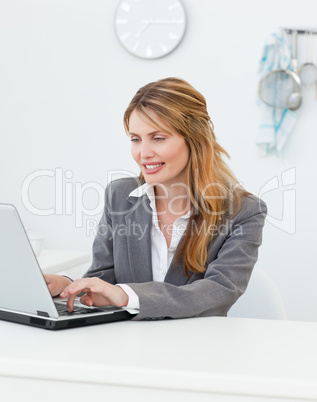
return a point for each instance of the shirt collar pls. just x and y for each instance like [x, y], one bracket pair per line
[147, 189]
[142, 190]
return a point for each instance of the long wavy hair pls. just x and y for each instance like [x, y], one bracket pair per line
[213, 189]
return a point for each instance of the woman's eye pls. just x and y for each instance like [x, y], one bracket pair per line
[159, 139]
[134, 140]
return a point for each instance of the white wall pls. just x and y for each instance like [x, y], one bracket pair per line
[65, 82]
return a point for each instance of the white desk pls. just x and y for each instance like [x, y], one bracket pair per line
[200, 359]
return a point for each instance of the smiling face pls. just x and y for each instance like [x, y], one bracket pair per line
[161, 155]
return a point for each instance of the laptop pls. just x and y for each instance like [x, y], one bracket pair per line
[24, 295]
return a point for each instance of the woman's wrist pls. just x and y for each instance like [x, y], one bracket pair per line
[133, 299]
[69, 279]
[124, 297]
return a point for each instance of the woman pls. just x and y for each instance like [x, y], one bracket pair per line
[182, 239]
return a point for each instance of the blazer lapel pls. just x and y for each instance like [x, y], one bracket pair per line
[139, 220]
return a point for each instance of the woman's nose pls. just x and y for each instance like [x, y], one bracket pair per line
[146, 150]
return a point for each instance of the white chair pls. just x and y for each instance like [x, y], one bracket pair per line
[262, 299]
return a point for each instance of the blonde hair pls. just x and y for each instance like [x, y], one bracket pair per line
[213, 189]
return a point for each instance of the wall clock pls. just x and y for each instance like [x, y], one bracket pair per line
[150, 29]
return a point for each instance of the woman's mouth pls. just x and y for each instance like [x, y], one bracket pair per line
[153, 168]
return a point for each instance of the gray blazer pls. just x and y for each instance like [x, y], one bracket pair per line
[122, 254]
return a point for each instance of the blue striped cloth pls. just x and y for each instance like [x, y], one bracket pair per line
[275, 125]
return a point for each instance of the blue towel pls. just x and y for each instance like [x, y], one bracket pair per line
[275, 124]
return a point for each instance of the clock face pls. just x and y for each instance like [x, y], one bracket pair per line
[150, 28]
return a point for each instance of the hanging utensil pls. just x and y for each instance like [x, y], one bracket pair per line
[308, 71]
[282, 88]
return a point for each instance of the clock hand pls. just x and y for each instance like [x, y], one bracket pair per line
[147, 23]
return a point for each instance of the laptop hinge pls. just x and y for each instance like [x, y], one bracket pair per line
[42, 313]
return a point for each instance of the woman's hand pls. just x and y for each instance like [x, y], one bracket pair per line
[56, 283]
[97, 293]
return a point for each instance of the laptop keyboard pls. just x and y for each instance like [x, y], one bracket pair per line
[62, 310]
